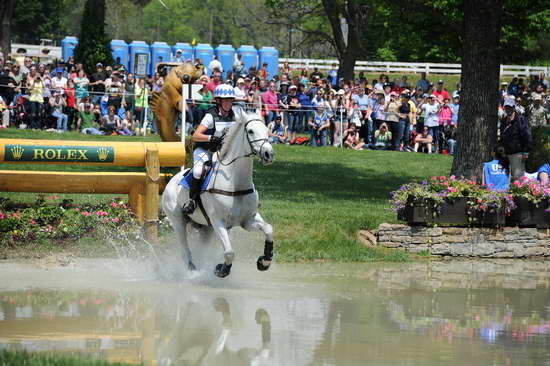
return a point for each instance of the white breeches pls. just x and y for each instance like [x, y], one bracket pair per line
[200, 157]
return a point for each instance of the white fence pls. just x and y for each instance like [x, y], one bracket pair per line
[409, 67]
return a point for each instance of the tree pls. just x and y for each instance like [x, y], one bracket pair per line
[93, 46]
[34, 20]
[477, 128]
[6, 13]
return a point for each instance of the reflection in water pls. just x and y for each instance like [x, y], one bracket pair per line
[455, 313]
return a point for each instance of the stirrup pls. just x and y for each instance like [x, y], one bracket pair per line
[189, 207]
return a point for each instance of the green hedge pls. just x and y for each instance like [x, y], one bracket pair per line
[39, 359]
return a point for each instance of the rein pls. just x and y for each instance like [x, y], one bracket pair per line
[244, 191]
[250, 142]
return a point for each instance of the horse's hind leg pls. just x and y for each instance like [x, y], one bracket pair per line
[258, 223]
[223, 269]
[179, 223]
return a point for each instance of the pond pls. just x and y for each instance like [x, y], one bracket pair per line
[430, 313]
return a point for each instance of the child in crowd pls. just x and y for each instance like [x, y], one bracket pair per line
[351, 138]
[496, 173]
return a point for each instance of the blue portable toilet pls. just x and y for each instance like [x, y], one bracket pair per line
[186, 50]
[119, 48]
[270, 56]
[160, 52]
[68, 45]
[226, 55]
[140, 58]
[205, 52]
[249, 56]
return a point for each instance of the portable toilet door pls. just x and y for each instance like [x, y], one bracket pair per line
[249, 55]
[139, 58]
[186, 51]
[68, 45]
[270, 56]
[226, 55]
[119, 51]
[205, 52]
[160, 52]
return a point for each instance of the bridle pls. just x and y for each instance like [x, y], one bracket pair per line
[250, 142]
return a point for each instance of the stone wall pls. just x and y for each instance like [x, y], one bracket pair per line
[507, 242]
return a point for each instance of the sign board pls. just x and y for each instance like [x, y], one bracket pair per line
[194, 90]
[57, 153]
[141, 64]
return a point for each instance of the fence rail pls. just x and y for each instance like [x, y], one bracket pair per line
[410, 67]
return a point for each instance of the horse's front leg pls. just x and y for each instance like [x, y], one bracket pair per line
[179, 223]
[222, 269]
[258, 223]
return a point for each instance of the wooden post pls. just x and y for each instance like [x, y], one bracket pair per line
[152, 172]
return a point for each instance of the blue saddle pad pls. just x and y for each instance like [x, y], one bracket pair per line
[187, 178]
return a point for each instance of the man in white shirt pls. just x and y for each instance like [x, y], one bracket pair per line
[215, 64]
[240, 92]
[59, 82]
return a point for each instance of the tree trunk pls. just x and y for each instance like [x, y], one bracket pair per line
[477, 127]
[6, 14]
[348, 50]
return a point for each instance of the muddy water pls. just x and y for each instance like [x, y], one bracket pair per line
[439, 313]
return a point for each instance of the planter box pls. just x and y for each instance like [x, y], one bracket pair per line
[449, 213]
[527, 214]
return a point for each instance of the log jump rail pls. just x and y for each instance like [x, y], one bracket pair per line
[142, 188]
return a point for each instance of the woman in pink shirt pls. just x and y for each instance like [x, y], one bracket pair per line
[270, 101]
[445, 113]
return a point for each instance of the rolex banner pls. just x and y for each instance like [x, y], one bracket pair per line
[49, 154]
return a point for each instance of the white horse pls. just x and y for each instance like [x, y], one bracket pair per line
[230, 199]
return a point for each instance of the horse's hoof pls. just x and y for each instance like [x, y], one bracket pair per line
[191, 267]
[222, 270]
[263, 263]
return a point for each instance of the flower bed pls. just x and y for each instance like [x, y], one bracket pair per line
[52, 219]
[448, 200]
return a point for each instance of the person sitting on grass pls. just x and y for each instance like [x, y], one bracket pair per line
[86, 121]
[277, 132]
[543, 174]
[110, 124]
[351, 138]
[423, 141]
[319, 124]
[382, 138]
[496, 173]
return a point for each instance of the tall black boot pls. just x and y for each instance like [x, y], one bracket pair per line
[194, 193]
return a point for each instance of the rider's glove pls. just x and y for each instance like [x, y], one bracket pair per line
[215, 143]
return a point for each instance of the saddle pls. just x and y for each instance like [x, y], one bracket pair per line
[187, 175]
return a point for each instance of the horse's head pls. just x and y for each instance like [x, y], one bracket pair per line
[256, 136]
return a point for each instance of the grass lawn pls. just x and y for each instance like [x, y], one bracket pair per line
[36, 359]
[316, 198]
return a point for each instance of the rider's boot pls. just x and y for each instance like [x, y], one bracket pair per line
[194, 193]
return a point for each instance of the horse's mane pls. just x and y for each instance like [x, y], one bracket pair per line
[241, 117]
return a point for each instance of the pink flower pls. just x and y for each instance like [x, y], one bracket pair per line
[442, 178]
[2, 216]
[85, 213]
[52, 197]
[116, 220]
[101, 213]
[516, 183]
[114, 204]
[453, 177]
[16, 215]
[77, 209]
[31, 220]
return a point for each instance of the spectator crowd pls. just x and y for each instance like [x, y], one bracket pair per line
[357, 114]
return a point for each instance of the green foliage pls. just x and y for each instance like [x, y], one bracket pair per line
[541, 149]
[93, 44]
[53, 220]
[38, 359]
[34, 20]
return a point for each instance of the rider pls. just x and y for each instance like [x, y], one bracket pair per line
[208, 138]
